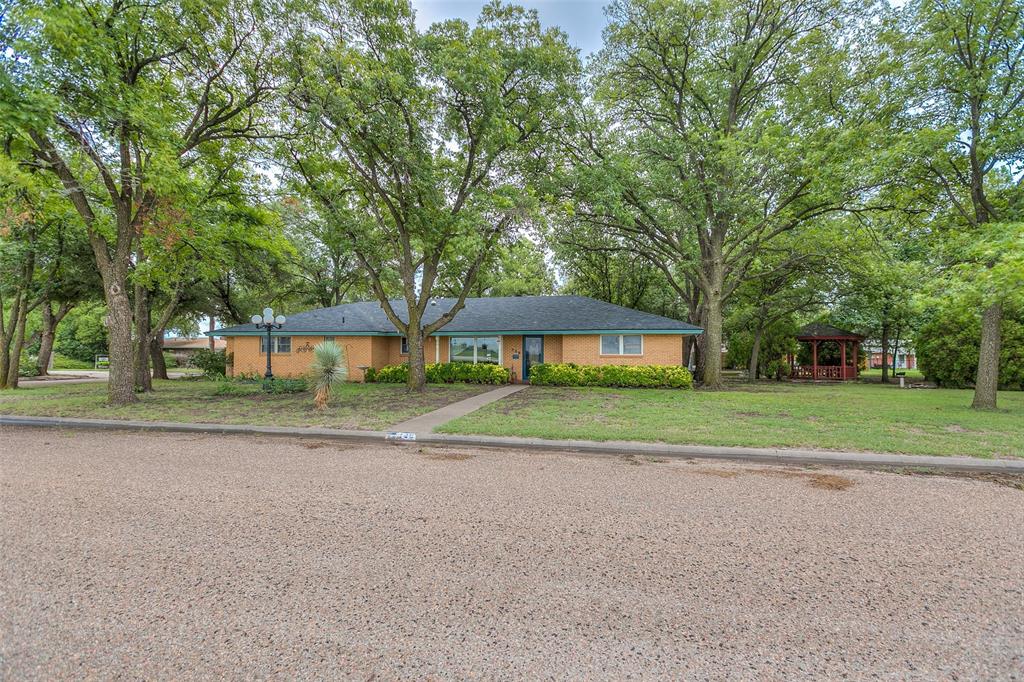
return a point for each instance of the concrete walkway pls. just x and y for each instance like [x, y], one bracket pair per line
[426, 423]
[860, 460]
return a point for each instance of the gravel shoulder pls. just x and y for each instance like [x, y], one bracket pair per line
[177, 556]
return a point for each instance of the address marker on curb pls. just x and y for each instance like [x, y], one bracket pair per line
[399, 435]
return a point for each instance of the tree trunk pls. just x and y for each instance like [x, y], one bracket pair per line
[156, 352]
[417, 370]
[49, 333]
[19, 343]
[754, 351]
[143, 379]
[711, 354]
[988, 358]
[7, 337]
[885, 352]
[121, 381]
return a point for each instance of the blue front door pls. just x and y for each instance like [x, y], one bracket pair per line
[533, 353]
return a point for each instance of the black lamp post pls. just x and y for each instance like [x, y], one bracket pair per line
[268, 321]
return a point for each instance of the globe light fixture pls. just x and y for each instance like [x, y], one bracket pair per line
[269, 322]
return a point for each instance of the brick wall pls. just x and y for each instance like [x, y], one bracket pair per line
[585, 349]
[378, 351]
[369, 351]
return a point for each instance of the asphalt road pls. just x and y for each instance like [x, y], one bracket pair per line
[173, 556]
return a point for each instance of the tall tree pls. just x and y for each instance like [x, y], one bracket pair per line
[423, 147]
[966, 94]
[517, 268]
[719, 126]
[119, 101]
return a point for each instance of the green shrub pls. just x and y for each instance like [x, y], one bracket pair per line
[28, 367]
[278, 386]
[948, 342]
[443, 373]
[622, 376]
[392, 374]
[212, 362]
[370, 375]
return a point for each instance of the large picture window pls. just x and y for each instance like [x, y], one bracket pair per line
[622, 344]
[478, 349]
[281, 344]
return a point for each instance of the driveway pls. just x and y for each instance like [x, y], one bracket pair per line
[177, 556]
[78, 376]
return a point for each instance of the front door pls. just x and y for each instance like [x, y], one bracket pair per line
[533, 353]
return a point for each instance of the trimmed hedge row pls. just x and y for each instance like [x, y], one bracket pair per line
[442, 373]
[622, 376]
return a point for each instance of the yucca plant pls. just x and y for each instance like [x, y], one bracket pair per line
[329, 368]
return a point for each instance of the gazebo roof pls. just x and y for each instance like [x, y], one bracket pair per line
[820, 331]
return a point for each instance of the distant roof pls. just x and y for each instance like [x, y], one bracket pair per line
[509, 314]
[819, 330]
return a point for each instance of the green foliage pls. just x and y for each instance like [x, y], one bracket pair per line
[28, 366]
[212, 362]
[624, 376]
[443, 373]
[947, 347]
[777, 340]
[82, 335]
[285, 385]
[777, 369]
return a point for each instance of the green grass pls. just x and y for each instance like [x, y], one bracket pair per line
[834, 416]
[877, 374]
[353, 406]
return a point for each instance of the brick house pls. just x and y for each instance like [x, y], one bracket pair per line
[515, 331]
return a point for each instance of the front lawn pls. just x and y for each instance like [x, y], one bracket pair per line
[839, 417]
[354, 406]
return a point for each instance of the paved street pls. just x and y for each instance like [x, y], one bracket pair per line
[179, 556]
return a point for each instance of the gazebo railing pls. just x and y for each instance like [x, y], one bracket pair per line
[825, 372]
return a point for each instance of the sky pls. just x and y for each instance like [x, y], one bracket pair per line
[582, 20]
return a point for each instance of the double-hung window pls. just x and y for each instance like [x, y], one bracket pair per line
[475, 349]
[622, 344]
[281, 344]
[405, 346]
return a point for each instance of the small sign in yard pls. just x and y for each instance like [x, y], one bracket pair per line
[400, 435]
[102, 362]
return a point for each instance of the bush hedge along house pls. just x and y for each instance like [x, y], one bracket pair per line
[515, 332]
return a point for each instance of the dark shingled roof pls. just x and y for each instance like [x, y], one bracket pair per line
[819, 330]
[499, 314]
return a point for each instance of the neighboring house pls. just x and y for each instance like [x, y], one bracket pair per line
[516, 332]
[905, 358]
[183, 348]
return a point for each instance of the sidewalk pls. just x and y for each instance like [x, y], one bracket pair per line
[613, 448]
[426, 423]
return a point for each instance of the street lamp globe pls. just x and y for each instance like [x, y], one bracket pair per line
[256, 319]
[279, 320]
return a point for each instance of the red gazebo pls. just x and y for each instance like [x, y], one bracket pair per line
[817, 334]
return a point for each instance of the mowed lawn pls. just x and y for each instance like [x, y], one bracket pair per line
[353, 406]
[836, 417]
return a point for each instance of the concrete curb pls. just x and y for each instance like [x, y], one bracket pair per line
[614, 448]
